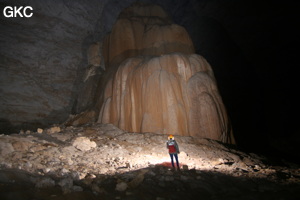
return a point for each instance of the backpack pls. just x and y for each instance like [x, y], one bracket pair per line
[171, 146]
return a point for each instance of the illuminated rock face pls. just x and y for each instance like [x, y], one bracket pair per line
[156, 82]
[144, 30]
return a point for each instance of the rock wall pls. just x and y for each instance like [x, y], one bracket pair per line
[41, 61]
[157, 83]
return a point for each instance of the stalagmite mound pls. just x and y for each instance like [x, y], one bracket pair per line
[144, 30]
[155, 82]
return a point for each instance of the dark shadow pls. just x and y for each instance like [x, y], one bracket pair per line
[156, 182]
[238, 81]
[255, 67]
[6, 126]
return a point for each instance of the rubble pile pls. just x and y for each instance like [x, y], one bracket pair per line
[100, 159]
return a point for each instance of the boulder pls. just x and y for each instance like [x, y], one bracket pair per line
[54, 129]
[45, 182]
[66, 184]
[84, 144]
[121, 187]
[6, 148]
[21, 145]
[40, 130]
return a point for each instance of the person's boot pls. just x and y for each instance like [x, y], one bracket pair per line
[173, 165]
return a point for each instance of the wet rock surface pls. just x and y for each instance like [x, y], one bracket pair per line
[113, 164]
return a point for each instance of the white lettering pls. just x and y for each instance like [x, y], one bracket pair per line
[9, 13]
[15, 11]
[30, 8]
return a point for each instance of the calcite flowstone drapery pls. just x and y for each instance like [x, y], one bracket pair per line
[156, 83]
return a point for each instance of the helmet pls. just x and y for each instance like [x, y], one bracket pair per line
[171, 137]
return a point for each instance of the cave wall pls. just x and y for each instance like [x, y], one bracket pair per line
[47, 54]
[251, 45]
[42, 60]
[45, 70]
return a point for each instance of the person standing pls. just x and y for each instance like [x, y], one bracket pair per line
[173, 150]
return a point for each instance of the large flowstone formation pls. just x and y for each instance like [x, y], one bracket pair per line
[156, 83]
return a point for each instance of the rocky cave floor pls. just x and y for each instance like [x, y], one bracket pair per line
[100, 161]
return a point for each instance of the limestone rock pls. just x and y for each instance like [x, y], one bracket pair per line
[80, 119]
[54, 129]
[122, 186]
[138, 179]
[102, 170]
[21, 145]
[84, 144]
[66, 184]
[39, 130]
[174, 93]
[144, 29]
[156, 83]
[48, 49]
[185, 167]
[94, 54]
[6, 148]
[77, 188]
[45, 183]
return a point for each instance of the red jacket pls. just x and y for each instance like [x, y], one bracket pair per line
[172, 146]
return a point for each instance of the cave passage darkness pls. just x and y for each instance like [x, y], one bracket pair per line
[252, 46]
[253, 49]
